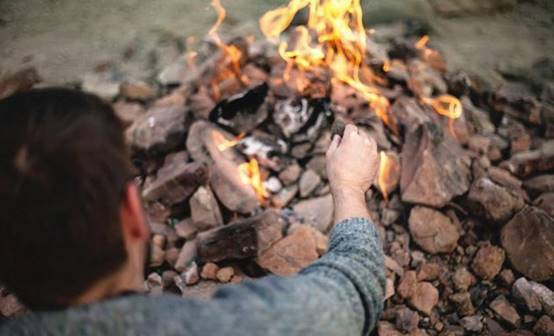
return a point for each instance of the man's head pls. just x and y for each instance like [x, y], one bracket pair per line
[69, 214]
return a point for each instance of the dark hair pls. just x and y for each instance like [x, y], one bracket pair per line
[63, 167]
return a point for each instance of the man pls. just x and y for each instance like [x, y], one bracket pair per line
[73, 237]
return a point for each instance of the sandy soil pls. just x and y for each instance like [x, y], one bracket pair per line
[65, 38]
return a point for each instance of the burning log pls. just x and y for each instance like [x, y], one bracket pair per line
[242, 112]
[434, 168]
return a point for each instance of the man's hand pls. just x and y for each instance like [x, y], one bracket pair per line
[352, 164]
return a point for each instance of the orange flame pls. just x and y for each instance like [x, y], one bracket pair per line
[384, 169]
[230, 52]
[334, 38]
[250, 174]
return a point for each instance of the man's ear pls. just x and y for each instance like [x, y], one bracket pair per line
[132, 217]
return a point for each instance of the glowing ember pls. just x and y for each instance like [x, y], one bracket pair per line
[250, 174]
[334, 38]
[222, 143]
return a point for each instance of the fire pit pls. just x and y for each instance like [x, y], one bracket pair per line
[462, 170]
[232, 161]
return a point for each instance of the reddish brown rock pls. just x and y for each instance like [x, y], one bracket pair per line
[505, 311]
[529, 243]
[160, 129]
[176, 185]
[204, 209]
[530, 162]
[434, 168]
[18, 81]
[128, 112]
[540, 184]
[308, 182]
[546, 203]
[385, 328]
[428, 271]
[488, 261]
[190, 274]
[544, 326]
[424, 298]
[492, 201]
[432, 230]
[463, 303]
[407, 285]
[290, 254]
[136, 90]
[186, 229]
[463, 279]
[317, 211]
[186, 255]
[523, 292]
[225, 274]
[407, 320]
[10, 306]
[209, 271]
[290, 174]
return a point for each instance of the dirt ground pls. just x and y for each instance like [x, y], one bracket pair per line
[64, 39]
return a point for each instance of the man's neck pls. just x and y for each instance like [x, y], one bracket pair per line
[125, 280]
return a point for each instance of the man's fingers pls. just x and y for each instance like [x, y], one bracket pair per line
[350, 130]
[334, 144]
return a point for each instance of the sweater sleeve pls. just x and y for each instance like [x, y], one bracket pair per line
[340, 294]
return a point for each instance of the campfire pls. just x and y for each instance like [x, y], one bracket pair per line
[247, 194]
[232, 161]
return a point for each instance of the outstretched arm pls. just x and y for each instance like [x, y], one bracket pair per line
[341, 293]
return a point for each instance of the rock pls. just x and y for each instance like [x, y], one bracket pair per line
[393, 266]
[514, 99]
[492, 201]
[389, 289]
[225, 274]
[387, 329]
[204, 209]
[290, 254]
[128, 112]
[177, 185]
[171, 255]
[319, 165]
[407, 284]
[546, 203]
[407, 320]
[290, 174]
[488, 261]
[463, 279]
[160, 129]
[463, 303]
[424, 298]
[136, 90]
[244, 238]
[434, 168]
[428, 271]
[530, 162]
[209, 271]
[318, 211]
[167, 278]
[186, 256]
[529, 242]
[523, 292]
[540, 184]
[308, 182]
[506, 277]
[190, 274]
[186, 229]
[154, 283]
[505, 311]
[432, 230]
[472, 323]
[534, 296]
[273, 185]
[157, 255]
[236, 279]
[285, 196]
[544, 326]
